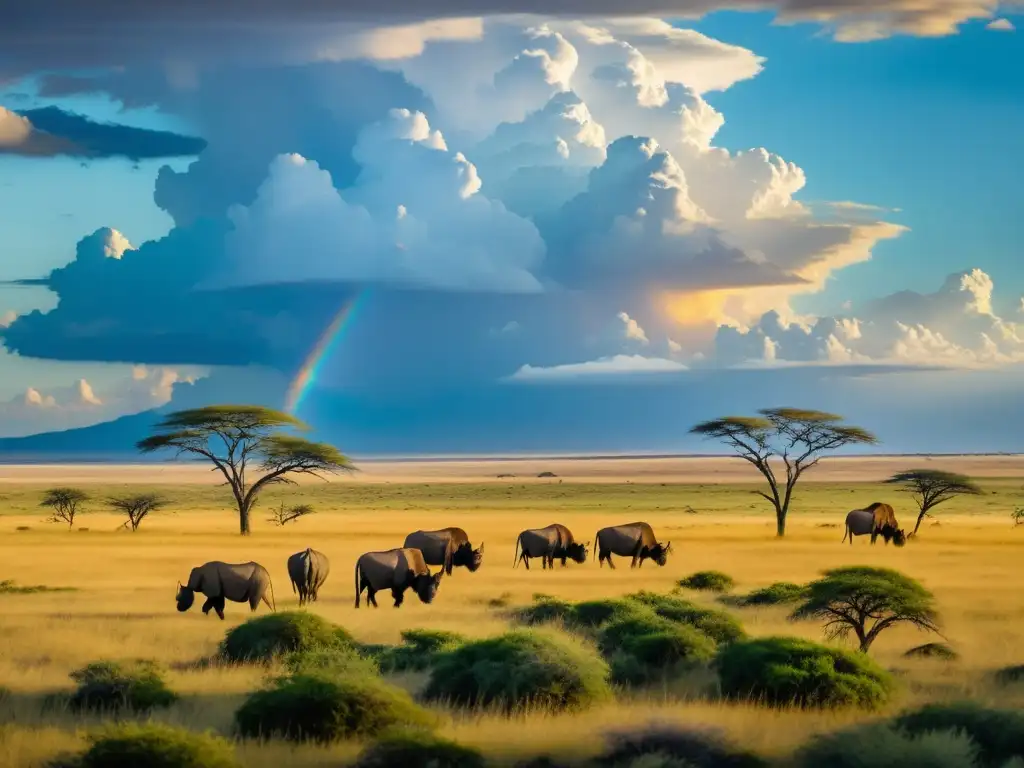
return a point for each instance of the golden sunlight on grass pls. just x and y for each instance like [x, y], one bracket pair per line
[125, 581]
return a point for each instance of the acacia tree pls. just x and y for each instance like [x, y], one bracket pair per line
[931, 487]
[796, 437]
[234, 438]
[64, 504]
[137, 507]
[866, 601]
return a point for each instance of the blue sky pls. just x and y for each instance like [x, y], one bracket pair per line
[307, 176]
[928, 125]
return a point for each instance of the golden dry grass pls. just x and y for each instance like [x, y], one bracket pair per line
[124, 604]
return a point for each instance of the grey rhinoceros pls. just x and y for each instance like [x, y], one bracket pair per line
[218, 581]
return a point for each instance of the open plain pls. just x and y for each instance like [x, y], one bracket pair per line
[969, 556]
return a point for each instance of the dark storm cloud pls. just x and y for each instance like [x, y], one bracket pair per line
[54, 131]
[37, 35]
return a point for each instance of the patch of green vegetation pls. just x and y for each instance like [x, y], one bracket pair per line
[152, 745]
[788, 671]
[267, 637]
[120, 685]
[708, 581]
[879, 745]
[321, 707]
[779, 593]
[998, 734]
[418, 749]
[718, 625]
[518, 670]
[419, 651]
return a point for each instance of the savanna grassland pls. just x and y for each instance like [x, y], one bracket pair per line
[123, 583]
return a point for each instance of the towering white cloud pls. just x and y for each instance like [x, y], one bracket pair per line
[954, 326]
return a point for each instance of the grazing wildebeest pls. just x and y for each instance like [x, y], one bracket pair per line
[397, 570]
[238, 582]
[555, 541]
[308, 571]
[448, 547]
[875, 519]
[634, 540]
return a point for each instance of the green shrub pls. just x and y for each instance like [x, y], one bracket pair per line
[519, 669]
[276, 634]
[544, 610]
[416, 749]
[789, 671]
[331, 661]
[666, 745]
[151, 745]
[997, 733]
[322, 707]
[879, 745]
[116, 685]
[932, 651]
[1010, 675]
[420, 649]
[594, 613]
[645, 647]
[718, 625]
[779, 593]
[708, 581]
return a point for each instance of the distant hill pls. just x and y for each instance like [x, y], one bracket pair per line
[109, 441]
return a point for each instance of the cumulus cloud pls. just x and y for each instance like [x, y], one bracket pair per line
[51, 131]
[1001, 25]
[414, 216]
[551, 172]
[79, 404]
[48, 34]
[616, 365]
[632, 329]
[7, 318]
[955, 326]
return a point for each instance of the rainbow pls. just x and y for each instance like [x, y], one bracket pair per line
[307, 374]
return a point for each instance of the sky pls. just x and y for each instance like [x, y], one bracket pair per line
[455, 226]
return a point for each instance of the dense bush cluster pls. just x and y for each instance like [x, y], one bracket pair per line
[120, 685]
[418, 749]
[151, 745]
[321, 706]
[419, 650]
[779, 593]
[518, 670]
[267, 637]
[787, 671]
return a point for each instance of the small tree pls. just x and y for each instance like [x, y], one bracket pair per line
[137, 507]
[866, 601]
[931, 487]
[233, 437]
[283, 515]
[1017, 516]
[64, 504]
[798, 437]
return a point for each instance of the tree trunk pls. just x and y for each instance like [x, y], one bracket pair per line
[865, 639]
[780, 522]
[243, 519]
[920, 517]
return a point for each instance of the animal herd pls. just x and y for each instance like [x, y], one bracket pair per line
[408, 567]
